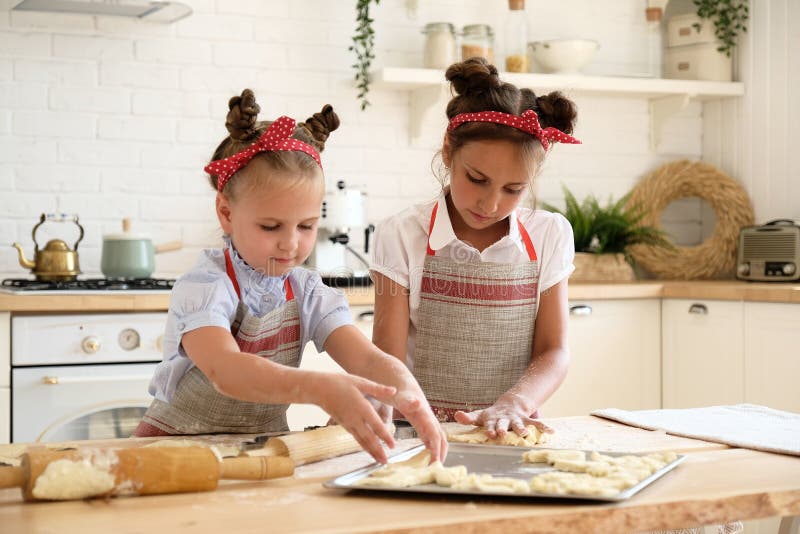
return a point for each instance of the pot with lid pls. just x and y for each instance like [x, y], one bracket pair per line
[129, 255]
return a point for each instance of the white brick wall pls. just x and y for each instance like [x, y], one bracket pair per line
[111, 117]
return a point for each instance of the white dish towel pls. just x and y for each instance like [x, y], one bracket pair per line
[748, 426]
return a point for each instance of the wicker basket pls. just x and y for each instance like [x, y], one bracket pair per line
[601, 267]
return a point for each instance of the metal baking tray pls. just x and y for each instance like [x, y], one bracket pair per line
[496, 460]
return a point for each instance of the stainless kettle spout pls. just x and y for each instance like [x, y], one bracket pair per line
[25, 262]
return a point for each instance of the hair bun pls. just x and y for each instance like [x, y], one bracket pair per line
[322, 124]
[472, 76]
[241, 119]
[554, 109]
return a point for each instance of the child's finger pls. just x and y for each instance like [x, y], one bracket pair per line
[539, 425]
[519, 428]
[466, 418]
[368, 441]
[377, 390]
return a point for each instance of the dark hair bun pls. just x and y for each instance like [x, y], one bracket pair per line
[241, 119]
[554, 109]
[472, 76]
[321, 124]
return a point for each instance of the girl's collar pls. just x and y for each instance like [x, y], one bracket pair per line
[256, 278]
[443, 234]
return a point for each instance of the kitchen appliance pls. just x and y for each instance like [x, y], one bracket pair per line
[770, 252]
[128, 255]
[56, 261]
[164, 12]
[88, 285]
[135, 471]
[343, 211]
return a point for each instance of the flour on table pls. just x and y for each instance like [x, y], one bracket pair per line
[65, 479]
[222, 451]
[478, 435]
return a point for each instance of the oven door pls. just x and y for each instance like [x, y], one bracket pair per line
[66, 403]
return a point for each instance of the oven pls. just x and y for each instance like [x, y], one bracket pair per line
[81, 375]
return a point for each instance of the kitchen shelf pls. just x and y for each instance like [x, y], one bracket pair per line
[428, 88]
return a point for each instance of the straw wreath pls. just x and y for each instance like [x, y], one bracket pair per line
[717, 254]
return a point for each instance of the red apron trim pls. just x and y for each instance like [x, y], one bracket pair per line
[232, 275]
[526, 238]
[290, 334]
[466, 290]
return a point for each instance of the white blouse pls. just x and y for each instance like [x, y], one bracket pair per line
[400, 246]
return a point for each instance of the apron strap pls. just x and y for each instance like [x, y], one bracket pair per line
[526, 238]
[232, 275]
[432, 252]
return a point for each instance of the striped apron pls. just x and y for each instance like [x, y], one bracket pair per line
[198, 408]
[475, 328]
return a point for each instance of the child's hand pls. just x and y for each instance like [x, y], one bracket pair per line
[342, 396]
[417, 411]
[507, 411]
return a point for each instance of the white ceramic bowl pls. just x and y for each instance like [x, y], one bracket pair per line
[562, 55]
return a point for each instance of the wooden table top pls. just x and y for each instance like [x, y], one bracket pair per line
[714, 484]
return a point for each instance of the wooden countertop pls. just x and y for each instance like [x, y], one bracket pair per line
[714, 484]
[713, 290]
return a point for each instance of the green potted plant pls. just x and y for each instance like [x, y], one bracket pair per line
[603, 234]
[729, 18]
[363, 44]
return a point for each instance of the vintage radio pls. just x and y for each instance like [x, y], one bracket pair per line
[770, 253]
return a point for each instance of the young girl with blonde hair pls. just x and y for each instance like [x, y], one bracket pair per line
[238, 320]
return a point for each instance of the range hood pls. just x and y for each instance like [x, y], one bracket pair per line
[141, 9]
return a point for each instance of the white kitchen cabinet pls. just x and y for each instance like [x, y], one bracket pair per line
[702, 353]
[615, 358]
[5, 377]
[772, 355]
[5, 415]
[300, 416]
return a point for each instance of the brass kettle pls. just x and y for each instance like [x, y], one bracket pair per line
[56, 262]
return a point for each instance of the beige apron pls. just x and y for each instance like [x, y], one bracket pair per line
[475, 328]
[198, 408]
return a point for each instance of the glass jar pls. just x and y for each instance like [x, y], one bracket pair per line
[477, 40]
[440, 45]
[515, 37]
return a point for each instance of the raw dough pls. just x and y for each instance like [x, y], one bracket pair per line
[478, 435]
[601, 475]
[76, 479]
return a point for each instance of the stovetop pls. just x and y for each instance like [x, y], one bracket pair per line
[87, 285]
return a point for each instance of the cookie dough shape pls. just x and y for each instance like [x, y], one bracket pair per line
[601, 475]
[478, 435]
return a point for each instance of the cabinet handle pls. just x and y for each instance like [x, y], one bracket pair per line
[367, 316]
[698, 309]
[580, 309]
[56, 380]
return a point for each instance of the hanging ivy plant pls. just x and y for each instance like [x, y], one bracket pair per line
[729, 18]
[363, 43]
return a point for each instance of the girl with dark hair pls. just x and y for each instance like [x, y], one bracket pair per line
[471, 288]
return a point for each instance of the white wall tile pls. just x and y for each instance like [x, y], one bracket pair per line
[111, 117]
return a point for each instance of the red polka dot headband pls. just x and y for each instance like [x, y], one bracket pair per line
[527, 122]
[277, 137]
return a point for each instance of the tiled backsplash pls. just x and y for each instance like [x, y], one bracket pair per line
[110, 117]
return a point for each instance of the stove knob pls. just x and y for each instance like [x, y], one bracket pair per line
[90, 344]
[789, 269]
[129, 339]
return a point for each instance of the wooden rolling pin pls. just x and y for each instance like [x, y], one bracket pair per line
[46, 474]
[310, 446]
